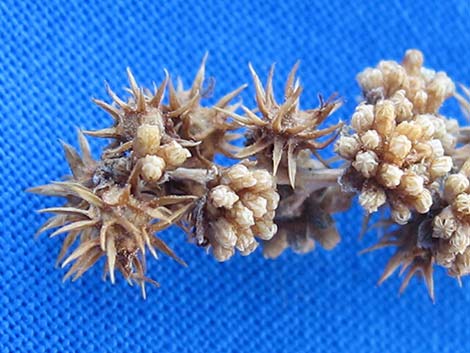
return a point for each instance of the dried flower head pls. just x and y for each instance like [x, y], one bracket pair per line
[400, 148]
[106, 220]
[206, 125]
[425, 89]
[284, 130]
[394, 157]
[237, 208]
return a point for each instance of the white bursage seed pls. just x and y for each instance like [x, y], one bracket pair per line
[385, 121]
[441, 166]
[444, 224]
[272, 198]
[174, 154]
[224, 233]
[147, 140]
[460, 240]
[257, 204]
[265, 229]
[222, 254]
[348, 146]
[403, 107]
[152, 168]
[264, 179]
[452, 126]
[242, 215]
[370, 78]
[428, 127]
[246, 244]
[390, 175]
[223, 196]
[465, 168]
[401, 215]
[400, 146]
[462, 203]
[363, 118]
[409, 129]
[238, 177]
[455, 184]
[371, 198]
[370, 140]
[437, 148]
[366, 163]
[423, 201]
[413, 61]
[412, 184]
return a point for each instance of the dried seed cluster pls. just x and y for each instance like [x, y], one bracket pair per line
[400, 147]
[401, 152]
[159, 170]
[239, 208]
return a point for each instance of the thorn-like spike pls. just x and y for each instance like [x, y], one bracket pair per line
[111, 255]
[260, 95]
[256, 120]
[110, 132]
[160, 92]
[198, 80]
[183, 109]
[290, 80]
[391, 267]
[64, 210]
[269, 85]
[222, 103]
[82, 249]
[413, 270]
[277, 154]
[253, 149]
[108, 108]
[85, 148]
[239, 118]
[292, 164]
[133, 83]
[116, 99]
[73, 158]
[78, 225]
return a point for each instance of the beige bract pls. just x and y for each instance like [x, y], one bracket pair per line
[283, 130]
[238, 208]
[425, 89]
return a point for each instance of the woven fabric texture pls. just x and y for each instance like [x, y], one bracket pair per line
[56, 55]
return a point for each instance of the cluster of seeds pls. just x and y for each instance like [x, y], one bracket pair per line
[395, 156]
[238, 208]
[451, 227]
[159, 169]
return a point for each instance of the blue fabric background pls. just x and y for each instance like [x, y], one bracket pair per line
[56, 55]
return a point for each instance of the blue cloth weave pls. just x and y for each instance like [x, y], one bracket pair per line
[56, 55]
